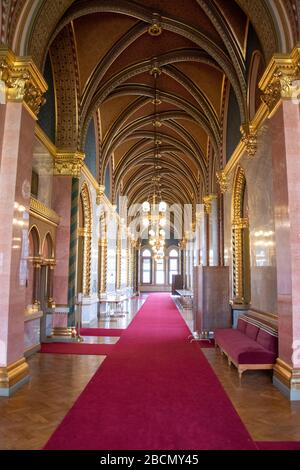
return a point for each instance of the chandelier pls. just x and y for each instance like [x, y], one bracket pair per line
[154, 214]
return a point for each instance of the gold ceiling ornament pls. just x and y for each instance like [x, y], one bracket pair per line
[249, 138]
[100, 194]
[281, 79]
[155, 29]
[155, 69]
[23, 81]
[207, 201]
[156, 122]
[68, 163]
[222, 180]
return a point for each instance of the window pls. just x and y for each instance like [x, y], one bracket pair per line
[173, 264]
[146, 267]
[160, 274]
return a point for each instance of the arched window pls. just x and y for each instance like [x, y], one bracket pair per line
[173, 264]
[146, 267]
[160, 271]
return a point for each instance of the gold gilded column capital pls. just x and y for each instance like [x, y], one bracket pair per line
[281, 79]
[22, 80]
[100, 193]
[68, 163]
[222, 180]
[249, 138]
[207, 201]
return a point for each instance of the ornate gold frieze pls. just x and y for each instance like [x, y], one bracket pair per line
[249, 138]
[68, 163]
[38, 209]
[23, 81]
[281, 79]
[222, 180]
[13, 373]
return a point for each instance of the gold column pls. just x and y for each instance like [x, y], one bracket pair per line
[103, 265]
[36, 280]
[237, 261]
[87, 244]
[51, 266]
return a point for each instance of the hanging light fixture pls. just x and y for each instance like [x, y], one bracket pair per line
[154, 214]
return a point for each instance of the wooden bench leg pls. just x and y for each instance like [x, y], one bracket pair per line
[240, 374]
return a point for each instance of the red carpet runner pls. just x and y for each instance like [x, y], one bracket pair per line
[77, 348]
[155, 391]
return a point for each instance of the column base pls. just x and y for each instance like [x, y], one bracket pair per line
[61, 331]
[287, 380]
[12, 377]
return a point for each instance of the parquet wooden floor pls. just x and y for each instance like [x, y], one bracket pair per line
[28, 418]
[267, 414]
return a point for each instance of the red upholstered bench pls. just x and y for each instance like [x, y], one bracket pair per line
[252, 345]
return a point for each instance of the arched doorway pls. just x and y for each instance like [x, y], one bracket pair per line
[47, 272]
[32, 294]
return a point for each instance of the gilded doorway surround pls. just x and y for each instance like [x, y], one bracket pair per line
[240, 241]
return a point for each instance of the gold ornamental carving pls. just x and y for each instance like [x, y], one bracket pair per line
[100, 194]
[281, 79]
[207, 201]
[23, 81]
[87, 239]
[222, 180]
[155, 29]
[249, 138]
[68, 163]
[38, 209]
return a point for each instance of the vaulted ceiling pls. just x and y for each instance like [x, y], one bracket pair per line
[198, 48]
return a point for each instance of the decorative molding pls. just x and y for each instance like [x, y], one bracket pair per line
[87, 234]
[44, 139]
[281, 79]
[13, 373]
[249, 139]
[207, 201]
[238, 225]
[23, 81]
[38, 209]
[68, 163]
[66, 90]
[100, 193]
[222, 180]
[288, 375]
